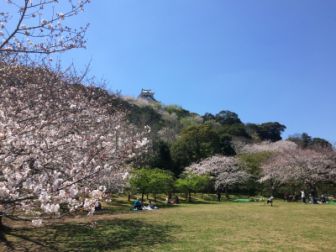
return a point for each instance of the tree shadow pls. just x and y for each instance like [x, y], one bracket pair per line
[3, 240]
[106, 235]
[198, 202]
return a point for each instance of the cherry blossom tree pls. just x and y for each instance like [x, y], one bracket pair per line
[226, 171]
[266, 146]
[116, 181]
[303, 167]
[57, 141]
[40, 26]
[264, 150]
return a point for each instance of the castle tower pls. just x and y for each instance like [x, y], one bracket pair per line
[147, 94]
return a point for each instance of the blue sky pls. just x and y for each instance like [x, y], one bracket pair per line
[265, 60]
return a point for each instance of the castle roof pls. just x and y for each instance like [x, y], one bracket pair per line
[147, 94]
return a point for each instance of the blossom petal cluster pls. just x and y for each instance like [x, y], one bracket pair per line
[226, 170]
[40, 27]
[279, 146]
[301, 166]
[58, 140]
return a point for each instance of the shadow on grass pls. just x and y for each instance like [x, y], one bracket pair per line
[198, 202]
[127, 208]
[107, 235]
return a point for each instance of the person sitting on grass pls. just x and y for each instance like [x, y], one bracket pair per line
[150, 206]
[137, 205]
[270, 200]
[323, 199]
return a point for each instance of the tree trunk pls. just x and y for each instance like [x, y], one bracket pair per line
[147, 196]
[313, 193]
[227, 192]
[169, 195]
[129, 197]
[272, 188]
[189, 196]
[154, 197]
[142, 198]
[219, 196]
[2, 235]
[2, 227]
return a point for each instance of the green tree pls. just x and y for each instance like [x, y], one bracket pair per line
[320, 144]
[154, 181]
[234, 130]
[160, 156]
[192, 183]
[227, 117]
[270, 131]
[302, 140]
[161, 181]
[306, 141]
[196, 143]
[140, 181]
[208, 117]
[252, 162]
[226, 146]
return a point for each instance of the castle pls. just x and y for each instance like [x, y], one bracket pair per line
[147, 94]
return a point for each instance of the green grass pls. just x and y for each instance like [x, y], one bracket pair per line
[189, 227]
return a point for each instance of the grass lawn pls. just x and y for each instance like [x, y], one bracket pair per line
[188, 227]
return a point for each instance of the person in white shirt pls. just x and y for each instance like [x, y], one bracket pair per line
[303, 196]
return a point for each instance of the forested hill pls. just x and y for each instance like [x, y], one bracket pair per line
[181, 137]
[178, 137]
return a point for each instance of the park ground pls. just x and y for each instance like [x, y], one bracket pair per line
[201, 226]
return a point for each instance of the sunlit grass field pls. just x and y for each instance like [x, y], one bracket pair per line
[206, 226]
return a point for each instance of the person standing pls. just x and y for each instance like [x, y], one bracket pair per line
[303, 196]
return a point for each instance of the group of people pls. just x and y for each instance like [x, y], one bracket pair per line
[139, 205]
[314, 199]
[311, 198]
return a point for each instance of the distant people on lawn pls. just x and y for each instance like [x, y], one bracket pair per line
[303, 196]
[323, 199]
[270, 200]
[150, 206]
[313, 196]
[137, 204]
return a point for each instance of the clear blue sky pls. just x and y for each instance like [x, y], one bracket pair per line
[265, 60]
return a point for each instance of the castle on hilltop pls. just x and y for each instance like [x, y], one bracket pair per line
[147, 94]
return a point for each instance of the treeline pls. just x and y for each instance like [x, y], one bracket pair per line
[180, 139]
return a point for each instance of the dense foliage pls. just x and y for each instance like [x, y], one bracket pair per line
[192, 183]
[307, 142]
[198, 142]
[153, 181]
